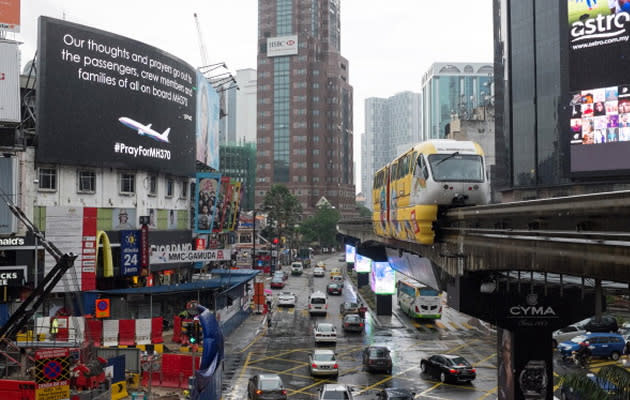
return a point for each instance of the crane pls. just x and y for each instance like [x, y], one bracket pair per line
[202, 46]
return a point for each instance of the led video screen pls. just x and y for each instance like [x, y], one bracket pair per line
[382, 278]
[350, 253]
[362, 264]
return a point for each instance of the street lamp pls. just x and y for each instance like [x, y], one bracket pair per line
[254, 242]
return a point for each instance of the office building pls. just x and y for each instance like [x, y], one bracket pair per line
[391, 126]
[239, 105]
[452, 88]
[304, 104]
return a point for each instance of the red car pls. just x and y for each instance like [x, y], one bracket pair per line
[277, 282]
[334, 288]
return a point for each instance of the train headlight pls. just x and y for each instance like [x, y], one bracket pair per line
[445, 187]
[476, 187]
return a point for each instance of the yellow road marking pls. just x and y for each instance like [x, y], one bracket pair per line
[440, 325]
[389, 378]
[465, 325]
[462, 345]
[480, 361]
[416, 324]
[302, 390]
[431, 326]
[428, 390]
[245, 365]
[294, 368]
[273, 371]
[277, 355]
[454, 325]
[488, 393]
[261, 334]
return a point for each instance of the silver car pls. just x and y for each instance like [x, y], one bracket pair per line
[318, 272]
[287, 299]
[323, 362]
[325, 333]
[565, 334]
[335, 392]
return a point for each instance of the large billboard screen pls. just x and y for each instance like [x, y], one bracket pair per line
[208, 190]
[382, 278]
[350, 253]
[9, 82]
[362, 264]
[599, 86]
[10, 15]
[105, 100]
[207, 123]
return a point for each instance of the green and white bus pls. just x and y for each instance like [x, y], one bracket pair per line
[418, 300]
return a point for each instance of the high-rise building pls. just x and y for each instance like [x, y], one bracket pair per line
[239, 123]
[391, 126]
[239, 163]
[452, 88]
[304, 104]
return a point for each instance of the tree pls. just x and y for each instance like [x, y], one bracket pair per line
[284, 211]
[321, 227]
[364, 211]
[589, 389]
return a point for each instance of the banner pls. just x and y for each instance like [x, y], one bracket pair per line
[208, 190]
[221, 199]
[236, 204]
[166, 257]
[10, 15]
[129, 253]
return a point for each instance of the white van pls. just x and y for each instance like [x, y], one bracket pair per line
[318, 303]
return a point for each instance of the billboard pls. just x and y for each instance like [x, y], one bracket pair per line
[105, 100]
[350, 253]
[598, 126]
[129, 253]
[382, 278]
[10, 15]
[362, 264]
[282, 46]
[9, 82]
[207, 192]
[207, 127]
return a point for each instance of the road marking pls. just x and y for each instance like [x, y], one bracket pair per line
[277, 355]
[489, 392]
[454, 325]
[291, 310]
[480, 361]
[389, 378]
[428, 390]
[261, 334]
[245, 365]
[317, 382]
[440, 325]
[465, 325]
[462, 345]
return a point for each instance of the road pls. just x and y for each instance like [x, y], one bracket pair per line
[284, 348]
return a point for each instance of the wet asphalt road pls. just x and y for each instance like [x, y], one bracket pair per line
[283, 349]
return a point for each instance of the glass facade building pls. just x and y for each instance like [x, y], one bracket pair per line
[452, 89]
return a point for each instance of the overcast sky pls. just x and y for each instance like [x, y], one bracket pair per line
[388, 44]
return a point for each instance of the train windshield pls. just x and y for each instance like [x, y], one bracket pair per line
[456, 167]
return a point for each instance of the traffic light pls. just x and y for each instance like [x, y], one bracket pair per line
[276, 241]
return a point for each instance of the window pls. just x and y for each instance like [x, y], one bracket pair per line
[152, 185]
[170, 187]
[48, 179]
[184, 193]
[86, 181]
[127, 183]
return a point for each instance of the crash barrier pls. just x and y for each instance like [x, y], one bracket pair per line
[108, 332]
[172, 371]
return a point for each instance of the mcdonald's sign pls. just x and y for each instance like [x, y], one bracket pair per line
[102, 308]
[108, 265]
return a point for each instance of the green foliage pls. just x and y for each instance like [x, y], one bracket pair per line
[364, 211]
[283, 209]
[614, 374]
[321, 227]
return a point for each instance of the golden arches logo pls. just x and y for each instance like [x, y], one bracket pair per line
[108, 265]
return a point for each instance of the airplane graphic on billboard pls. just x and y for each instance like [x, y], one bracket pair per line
[145, 130]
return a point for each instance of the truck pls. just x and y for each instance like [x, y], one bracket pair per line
[304, 255]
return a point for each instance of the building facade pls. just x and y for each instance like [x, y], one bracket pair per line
[239, 105]
[452, 88]
[304, 104]
[391, 126]
[239, 163]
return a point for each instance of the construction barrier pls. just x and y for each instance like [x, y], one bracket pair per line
[157, 327]
[174, 372]
[126, 332]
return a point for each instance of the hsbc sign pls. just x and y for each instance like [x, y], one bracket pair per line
[282, 46]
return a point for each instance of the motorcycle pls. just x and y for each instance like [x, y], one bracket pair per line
[580, 360]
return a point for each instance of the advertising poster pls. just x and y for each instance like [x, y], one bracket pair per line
[130, 253]
[218, 219]
[598, 126]
[10, 15]
[362, 264]
[226, 213]
[124, 219]
[237, 194]
[382, 278]
[125, 104]
[206, 201]
[207, 129]
[10, 110]
[350, 253]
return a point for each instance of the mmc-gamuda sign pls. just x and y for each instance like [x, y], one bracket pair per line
[189, 256]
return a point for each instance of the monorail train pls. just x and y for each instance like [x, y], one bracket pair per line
[434, 174]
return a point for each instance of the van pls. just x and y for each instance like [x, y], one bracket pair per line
[296, 268]
[318, 303]
[601, 344]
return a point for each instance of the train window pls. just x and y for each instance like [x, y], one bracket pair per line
[423, 167]
[403, 167]
[394, 171]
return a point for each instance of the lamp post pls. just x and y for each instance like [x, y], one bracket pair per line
[254, 242]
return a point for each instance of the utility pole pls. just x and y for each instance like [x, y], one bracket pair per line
[254, 242]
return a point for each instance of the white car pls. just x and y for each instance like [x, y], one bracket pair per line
[565, 334]
[319, 272]
[335, 391]
[323, 362]
[325, 333]
[287, 299]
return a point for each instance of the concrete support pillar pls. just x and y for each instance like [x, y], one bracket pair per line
[383, 304]
[363, 280]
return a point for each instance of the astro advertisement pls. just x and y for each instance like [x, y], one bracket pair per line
[207, 118]
[208, 190]
[598, 128]
[105, 100]
[362, 264]
[382, 278]
[350, 253]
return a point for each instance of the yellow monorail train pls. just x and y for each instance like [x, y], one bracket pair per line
[437, 173]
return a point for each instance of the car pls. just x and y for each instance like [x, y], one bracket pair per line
[266, 387]
[395, 394]
[377, 358]
[337, 279]
[342, 258]
[325, 332]
[335, 272]
[353, 323]
[323, 362]
[335, 392]
[281, 273]
[606, 324]
[317, 303]
[321, 265]
[566, 333]
[318, 272]
[334, 288]
[348, 307]
[601, 345]
[297, 268]
[448, 367]
[568, 392]
[287, 299]
[277, 282]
